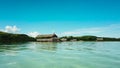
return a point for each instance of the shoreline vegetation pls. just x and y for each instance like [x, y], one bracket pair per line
[87, 38]
[10, 38]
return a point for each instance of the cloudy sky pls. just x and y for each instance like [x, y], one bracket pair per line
[64, 17]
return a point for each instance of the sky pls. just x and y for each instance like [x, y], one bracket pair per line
[63, 17]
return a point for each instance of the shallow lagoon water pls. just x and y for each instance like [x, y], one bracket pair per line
[61, 55]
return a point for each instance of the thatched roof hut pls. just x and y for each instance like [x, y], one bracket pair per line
[47, 38]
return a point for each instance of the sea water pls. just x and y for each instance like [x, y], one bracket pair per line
[60, 55]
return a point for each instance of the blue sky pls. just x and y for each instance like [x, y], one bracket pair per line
[64, 17]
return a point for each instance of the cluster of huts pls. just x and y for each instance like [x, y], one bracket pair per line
[54, 38]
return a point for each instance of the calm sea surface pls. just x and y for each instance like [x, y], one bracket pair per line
[61, 55]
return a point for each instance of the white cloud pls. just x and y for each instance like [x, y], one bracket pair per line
[83, 31]
[33, 34]
[11, 29]
[107, 31]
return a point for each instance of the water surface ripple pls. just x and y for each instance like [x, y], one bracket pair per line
[61, 55]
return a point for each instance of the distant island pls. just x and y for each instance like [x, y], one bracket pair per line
[87, 38]
[7, 38]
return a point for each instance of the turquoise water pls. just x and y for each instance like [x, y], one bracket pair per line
[61, 55]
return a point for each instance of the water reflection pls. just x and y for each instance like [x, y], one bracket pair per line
[13, 47]
[51, 46]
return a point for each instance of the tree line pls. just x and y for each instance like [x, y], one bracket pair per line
[14, 38]
[89, 38]
[7, 38]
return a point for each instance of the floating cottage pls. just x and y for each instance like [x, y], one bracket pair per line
[47, 38]
[63, 39]
[100, 39]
